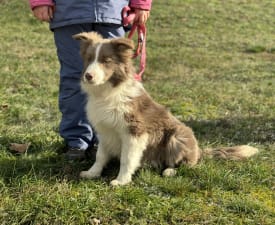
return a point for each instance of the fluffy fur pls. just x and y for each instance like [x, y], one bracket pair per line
[130, 125]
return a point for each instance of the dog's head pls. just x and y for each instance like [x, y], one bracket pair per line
[105, 60]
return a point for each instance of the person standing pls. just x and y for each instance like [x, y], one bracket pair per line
[67, 18]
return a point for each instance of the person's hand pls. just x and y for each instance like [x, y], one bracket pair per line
[141, 16]
[43, 13]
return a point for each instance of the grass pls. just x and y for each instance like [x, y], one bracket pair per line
[210, 62]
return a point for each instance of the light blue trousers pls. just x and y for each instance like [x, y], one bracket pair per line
[74, 127]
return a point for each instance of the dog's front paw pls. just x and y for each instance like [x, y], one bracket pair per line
[119, 183]
[88, 175]
[115, 183]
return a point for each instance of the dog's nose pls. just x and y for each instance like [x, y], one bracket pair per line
[88, 76]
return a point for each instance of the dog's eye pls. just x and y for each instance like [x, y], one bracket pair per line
[89, 58]
[107, 60]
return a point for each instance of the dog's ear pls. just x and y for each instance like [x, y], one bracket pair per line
[123, 48]
[123, 44]
[91, 37]
[86, 39]
[81, 36]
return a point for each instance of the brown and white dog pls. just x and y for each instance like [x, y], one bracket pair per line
[129, 124]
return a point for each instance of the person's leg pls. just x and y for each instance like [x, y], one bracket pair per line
[74, 127]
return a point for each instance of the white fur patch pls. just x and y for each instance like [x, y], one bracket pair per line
[106, 109]
[130, 158]
[247, 151]
[107, 106]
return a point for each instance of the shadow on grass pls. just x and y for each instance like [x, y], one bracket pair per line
[236, 131]
[35, 166]
[44, 163]
[48, 165]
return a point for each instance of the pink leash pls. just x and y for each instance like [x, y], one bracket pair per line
[128, 16]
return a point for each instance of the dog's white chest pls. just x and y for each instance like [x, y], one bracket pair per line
[106, 114]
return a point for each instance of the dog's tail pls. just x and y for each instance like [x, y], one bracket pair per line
[240, 152]
[235, 153]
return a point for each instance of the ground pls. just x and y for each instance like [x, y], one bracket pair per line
[210, 62]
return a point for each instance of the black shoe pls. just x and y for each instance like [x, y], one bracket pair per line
[75, 154]
[90, 152]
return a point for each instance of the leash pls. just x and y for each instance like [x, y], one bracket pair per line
[128, 16]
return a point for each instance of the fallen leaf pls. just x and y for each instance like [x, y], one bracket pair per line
[4, 106]
[19, 148]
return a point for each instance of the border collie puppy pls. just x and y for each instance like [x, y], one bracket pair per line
[130, 125]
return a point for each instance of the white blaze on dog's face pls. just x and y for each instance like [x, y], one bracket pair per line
[95, 72]
[105, 59]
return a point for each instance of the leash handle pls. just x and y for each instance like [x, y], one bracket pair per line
[128, 16]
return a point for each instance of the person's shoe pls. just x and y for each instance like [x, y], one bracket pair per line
[74, 154]
[90, 152]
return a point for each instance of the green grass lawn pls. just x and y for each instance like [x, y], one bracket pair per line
[212, 63]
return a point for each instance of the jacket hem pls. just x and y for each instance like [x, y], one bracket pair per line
[54, 24]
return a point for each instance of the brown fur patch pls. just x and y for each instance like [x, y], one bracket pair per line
[113, 64]
[170, 142]
[234, 153]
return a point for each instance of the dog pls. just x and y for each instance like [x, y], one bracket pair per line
[130, 125]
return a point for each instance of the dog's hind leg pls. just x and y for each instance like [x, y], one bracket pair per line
[131, 155]
[169, 172]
